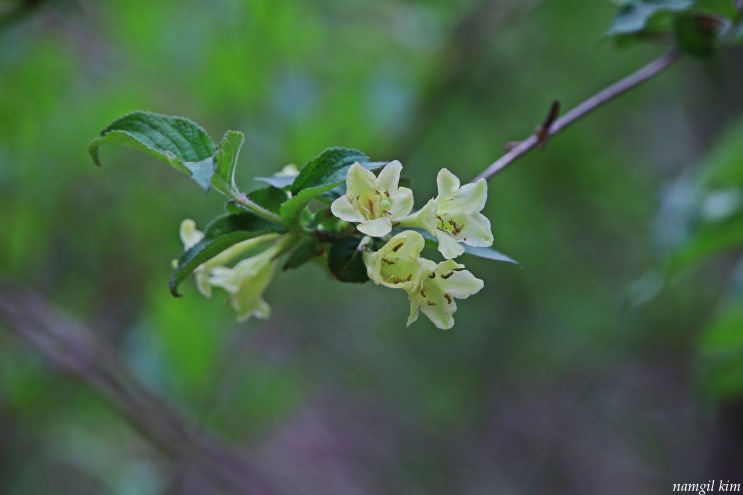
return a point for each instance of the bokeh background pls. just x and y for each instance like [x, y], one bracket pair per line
[592, 369]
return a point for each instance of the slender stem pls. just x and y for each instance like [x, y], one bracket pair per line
[257, 209]
[643, 74]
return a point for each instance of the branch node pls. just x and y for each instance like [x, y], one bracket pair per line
[545, 128]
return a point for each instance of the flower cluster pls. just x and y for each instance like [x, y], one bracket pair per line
[453, 217]
[376, 205]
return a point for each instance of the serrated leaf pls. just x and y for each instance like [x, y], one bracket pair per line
[320, 175]
[346, 262]
[226, 157]
[329, 167]
[635, 16]
[177, 141]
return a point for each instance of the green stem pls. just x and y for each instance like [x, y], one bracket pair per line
[243, 200]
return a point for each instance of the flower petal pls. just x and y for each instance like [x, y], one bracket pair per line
[476, 231]
[401, 203]
[470, 198]
[440, 315]
[389, 176]
[414, 309]
[446, 182]
[448, 245]
[377, 227]
[359, 181]
[345, 210]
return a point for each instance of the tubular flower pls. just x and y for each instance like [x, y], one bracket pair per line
[396, 264]
[190, 236]
[374, 202]
[454, 215]
[438, 288]
[246, 281]
[431, 288]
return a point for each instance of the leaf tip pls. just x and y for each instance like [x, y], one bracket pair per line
[93, 150]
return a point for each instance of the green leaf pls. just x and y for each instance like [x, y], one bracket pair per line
[291, 211]
[220, 234]
[177, 141]
[249, 222]
[320, 175]
[736, 36]
[307, 249]
[635, 16]
[329, 167]
[278, 181]
[202, 252]
[226, 158]
[270, 198]
[711, 239]
[724, 165]
[721, 354]
[724, 8]
[489, 253]
[346, 262]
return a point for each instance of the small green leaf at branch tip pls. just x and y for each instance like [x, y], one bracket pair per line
[228, 151]
[177, 141]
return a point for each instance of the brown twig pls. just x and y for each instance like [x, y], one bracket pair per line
[636, 78]
[72, 348]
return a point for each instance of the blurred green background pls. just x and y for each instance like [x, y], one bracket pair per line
[599, 367]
